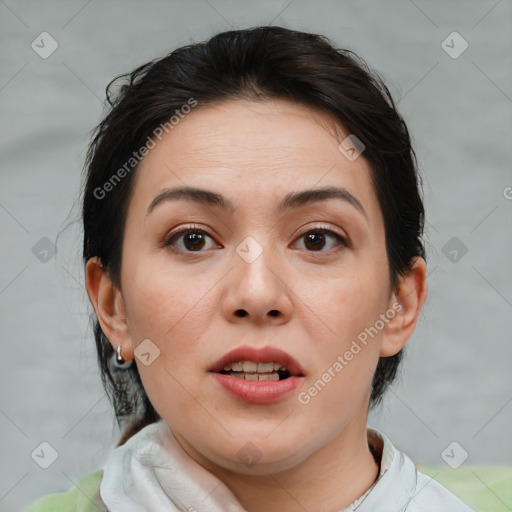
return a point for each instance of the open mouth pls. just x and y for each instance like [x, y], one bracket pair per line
[264, 375]
[250, 370]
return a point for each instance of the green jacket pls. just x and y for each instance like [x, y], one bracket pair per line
[83, 497]
[484, 488]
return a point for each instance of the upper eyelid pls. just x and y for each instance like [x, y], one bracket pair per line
[193, 227]
[324, 226]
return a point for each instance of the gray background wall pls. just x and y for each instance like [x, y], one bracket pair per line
[456, 381]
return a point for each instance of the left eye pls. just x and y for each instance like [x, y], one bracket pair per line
[315, 239]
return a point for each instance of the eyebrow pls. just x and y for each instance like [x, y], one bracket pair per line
[289, 202]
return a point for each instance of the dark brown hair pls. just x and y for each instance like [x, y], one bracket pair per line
[255, 64]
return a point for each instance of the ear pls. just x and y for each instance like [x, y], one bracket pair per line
[406, 302]
[109, 305]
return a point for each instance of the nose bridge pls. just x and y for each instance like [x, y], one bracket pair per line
[256, 261]
[250, 249]
[256, 285]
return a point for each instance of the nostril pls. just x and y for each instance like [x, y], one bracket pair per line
[242, 312]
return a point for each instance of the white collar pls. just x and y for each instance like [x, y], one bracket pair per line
[383, 452]
[152, 472]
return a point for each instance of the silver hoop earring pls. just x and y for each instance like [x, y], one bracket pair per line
[119, 361]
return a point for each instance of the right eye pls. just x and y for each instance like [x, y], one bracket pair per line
[188, 240]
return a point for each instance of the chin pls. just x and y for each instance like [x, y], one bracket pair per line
[260, 458]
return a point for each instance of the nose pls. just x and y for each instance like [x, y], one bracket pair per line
[257, 291]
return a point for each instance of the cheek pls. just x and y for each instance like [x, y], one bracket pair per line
[345, 354]
[344, 306]
[174, 319]
[174, 311]
[162, 299]
[345, 357]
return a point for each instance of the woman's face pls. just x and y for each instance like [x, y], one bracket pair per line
[256, 275]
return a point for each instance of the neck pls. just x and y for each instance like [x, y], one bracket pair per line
[329, 480]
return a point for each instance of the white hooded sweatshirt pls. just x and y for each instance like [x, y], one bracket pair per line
[152, 473]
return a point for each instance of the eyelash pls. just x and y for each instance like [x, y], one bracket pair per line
[341, 242]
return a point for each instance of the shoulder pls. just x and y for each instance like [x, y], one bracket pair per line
[430, 494]
[83, 497]
[419, 491]
[401, 486]
[485, 487]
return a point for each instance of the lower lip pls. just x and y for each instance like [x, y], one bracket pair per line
[258, 392]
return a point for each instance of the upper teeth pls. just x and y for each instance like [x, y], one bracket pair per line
[252, 367]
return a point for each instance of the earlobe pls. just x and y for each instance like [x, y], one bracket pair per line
[407, 302]
[109, 305]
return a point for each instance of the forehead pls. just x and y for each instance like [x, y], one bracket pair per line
[260, 149]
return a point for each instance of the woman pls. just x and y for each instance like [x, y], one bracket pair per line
[252, 249]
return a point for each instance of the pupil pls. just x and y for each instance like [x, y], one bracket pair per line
[311, 237]
[196, 239]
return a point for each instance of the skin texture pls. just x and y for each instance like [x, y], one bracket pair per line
[313, 456]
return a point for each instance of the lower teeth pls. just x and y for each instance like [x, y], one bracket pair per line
[255, 376]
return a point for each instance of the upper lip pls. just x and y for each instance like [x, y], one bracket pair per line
[259, 355]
